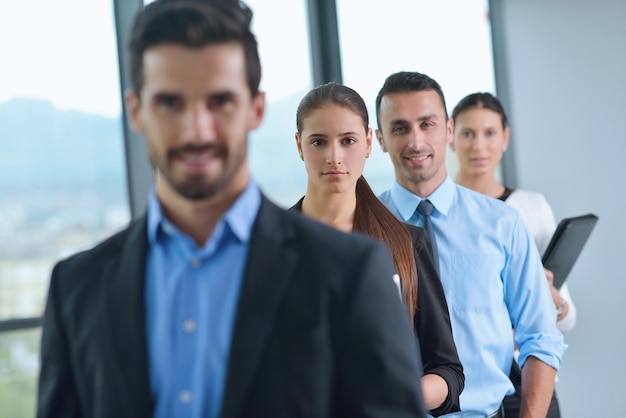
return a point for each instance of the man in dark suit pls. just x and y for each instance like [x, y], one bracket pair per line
[217, 303]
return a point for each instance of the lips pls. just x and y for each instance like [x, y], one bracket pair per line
[195, 157]
[479, 161]
[417, 159]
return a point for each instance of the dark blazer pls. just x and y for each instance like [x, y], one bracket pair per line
[432, 324]
[319, 331]
[431, 321]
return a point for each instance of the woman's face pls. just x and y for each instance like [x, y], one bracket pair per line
[334, 144]
[479, 141]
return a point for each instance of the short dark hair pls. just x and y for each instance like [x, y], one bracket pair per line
[195, 24]
[481, 101]
[331, 94]
[405, 82]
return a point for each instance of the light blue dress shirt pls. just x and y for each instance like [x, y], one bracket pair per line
[191, 298]
[492, 278]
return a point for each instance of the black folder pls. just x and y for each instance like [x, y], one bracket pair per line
[566, 244]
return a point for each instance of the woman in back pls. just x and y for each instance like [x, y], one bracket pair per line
[481, 135]
[334, 139]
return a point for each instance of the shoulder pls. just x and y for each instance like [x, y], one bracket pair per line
[537, 215]
[418, 234]
[387, 200]
[526, 197]
[297, 207]
[471, 211]
[385, 196]
[323, 257]
[530, 204]
[303, 231]
[80, 276]
[473, 200]
[90, 259]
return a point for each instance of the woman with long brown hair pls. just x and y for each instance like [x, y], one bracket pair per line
[334, 140]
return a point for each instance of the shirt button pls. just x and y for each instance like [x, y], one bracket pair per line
[189, 326]
[195, 262]
[167, 229]
[185, 396]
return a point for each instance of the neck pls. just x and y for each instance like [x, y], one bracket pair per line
[196, 218]
[333, 209]
[423, 188]
[482, 183]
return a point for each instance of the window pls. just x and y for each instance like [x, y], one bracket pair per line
[62, 176]
[286, 78]
[449, 40]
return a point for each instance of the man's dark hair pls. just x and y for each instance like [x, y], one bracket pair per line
[406, 82]
[194, 24]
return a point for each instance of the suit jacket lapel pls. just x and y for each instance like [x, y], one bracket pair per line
[269, 267]
[126, 318]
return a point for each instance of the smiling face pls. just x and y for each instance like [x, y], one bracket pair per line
[415, 132]
[195, 110]
[334, 144]
[479, 141]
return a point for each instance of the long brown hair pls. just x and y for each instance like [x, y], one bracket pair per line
[371, 216]
[374, 219]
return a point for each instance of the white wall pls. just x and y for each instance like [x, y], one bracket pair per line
[565, 72]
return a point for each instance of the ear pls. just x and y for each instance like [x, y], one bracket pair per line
[258, 110]
[381, 140]
[450, 131]
[507, 136]
[299, 145]
[133, 105]
[368, 139]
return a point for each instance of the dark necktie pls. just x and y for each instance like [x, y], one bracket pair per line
[426, 209]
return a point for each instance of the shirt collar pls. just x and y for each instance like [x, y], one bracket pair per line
[239, 217]
[242, 214]
[406, 201]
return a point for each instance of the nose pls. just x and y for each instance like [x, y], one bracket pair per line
[200, 123]
[479, 142]
[417, 138]
[334, 155]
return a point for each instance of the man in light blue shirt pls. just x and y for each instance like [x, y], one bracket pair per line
[196, 334]
[489, 266]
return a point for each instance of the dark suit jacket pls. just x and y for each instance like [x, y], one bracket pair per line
[432, 321]
[432, 324]
[319, 332]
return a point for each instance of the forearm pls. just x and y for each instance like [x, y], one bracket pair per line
[435, 390]
[537, 387]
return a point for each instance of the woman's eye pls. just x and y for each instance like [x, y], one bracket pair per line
[349, 141]
[317, 142]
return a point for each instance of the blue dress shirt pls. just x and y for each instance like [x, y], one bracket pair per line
[191, 298]
[493, 279]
